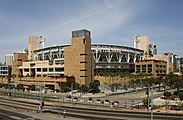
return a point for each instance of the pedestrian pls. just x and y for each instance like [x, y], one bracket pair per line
[38, 109]
[64, 112]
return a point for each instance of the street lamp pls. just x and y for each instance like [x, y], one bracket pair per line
[9, 80]
[152, 102]
[72, 92]
[41, 100]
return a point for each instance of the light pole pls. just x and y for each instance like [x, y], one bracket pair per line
[152, 102]
[9, 80]
[41, 99]
[148, 102]
[72, 92]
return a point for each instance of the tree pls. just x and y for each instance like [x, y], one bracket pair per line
[94, 86]
[180, 95]
[2, 77]
[84, 88]
[159, 81]
[13, 76]
[145, 102]
[20, 76]
[114, 87]
[167, 94]
[20, 86]
[32, 87]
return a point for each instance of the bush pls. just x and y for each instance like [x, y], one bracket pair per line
[94, 87]
[57, 90]
[167, 94]
[180, 95]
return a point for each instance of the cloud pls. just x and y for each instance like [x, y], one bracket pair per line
[102, 21]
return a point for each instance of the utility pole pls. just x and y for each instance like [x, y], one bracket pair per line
[72, 92]
[9, 80]
[152, 102]
[148, 102]
[41, 99]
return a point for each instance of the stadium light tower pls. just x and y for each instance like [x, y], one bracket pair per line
[41, 41]
[135, 41]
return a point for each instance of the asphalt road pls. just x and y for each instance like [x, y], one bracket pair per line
[131, 98]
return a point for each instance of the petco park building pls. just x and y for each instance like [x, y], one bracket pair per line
[114, 58]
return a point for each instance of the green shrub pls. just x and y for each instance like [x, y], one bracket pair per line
[167, 94]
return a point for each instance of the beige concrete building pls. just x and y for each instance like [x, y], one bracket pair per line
[78, 58]
[35, 42]
[75, 66]
[41, 68]
[165, 58]
[155, 67]
[19, 58]
[142, 42]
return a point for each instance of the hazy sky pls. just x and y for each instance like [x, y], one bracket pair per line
[110, 21]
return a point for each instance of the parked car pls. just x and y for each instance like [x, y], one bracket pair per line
[98, 101]
[106, 101]
[90, 100]
[115, 103]
[75, 99]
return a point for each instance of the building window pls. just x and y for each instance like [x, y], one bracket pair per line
[83, 62]
[138, 68]
[149, 65]
[38, 69]
[149, 68]
[84, 41]
[83, 70]
[83, 54]
[59, 69]
[83, 76]
[143, 68]
[26, 70]
[32, 64]
[44, 69]
[19, 59]
[50, 69]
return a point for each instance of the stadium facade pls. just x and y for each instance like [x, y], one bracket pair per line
[79, 62]
[111, 58]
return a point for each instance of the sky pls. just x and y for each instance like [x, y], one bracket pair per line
[110, 22]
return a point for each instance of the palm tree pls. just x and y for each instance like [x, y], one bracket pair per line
[159, 81]
[2, 79]
[20, 76]
[121, 76]
[13, 76]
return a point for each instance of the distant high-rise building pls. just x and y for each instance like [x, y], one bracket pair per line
[9, 59]
[175, 59]
[152, 50]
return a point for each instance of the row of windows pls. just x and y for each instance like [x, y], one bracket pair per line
[46, 70]
[4, 72]
[149, 65]
[161, 66]
[3, 68]
[160, 71]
